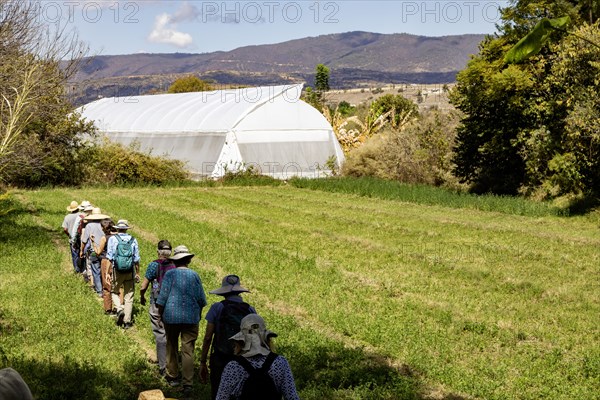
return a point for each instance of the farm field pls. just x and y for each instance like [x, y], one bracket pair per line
[371, 298]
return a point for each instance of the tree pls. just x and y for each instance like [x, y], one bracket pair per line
[562, 155]
[321, 78]
[39, 135]
[314, 97]
[515, 116]
[189, 83]
[400, 109]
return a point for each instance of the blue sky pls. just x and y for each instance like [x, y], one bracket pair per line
[166, 26]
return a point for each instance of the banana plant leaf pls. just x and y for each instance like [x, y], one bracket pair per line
[533, 42]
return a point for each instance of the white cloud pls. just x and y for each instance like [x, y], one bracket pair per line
[187, 12]
[164, 31]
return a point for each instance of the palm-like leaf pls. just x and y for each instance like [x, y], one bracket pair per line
[533, 42]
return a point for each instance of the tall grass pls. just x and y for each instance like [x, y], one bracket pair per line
[425, 194]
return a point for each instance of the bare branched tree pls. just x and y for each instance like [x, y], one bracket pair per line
[36, 61]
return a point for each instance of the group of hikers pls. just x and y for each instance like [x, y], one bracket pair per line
[236, 357]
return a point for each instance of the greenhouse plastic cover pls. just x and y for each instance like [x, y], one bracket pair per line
[266, 127]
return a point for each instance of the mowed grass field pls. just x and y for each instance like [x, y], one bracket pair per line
[371, 298]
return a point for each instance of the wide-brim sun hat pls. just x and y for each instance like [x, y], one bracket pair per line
[253, 336]
[96, 215]
[85, 204]
[122, 224]
[73, 206]
[230, 284]
[180, 252]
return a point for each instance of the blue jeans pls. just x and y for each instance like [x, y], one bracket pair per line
[75, 258]
[95, 263]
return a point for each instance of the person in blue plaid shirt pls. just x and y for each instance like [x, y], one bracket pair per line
[180, 304]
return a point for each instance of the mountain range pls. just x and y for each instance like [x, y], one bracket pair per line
[355, 59]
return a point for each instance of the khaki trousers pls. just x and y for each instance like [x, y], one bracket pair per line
[188, 334]
[124, 281]
[105, 268]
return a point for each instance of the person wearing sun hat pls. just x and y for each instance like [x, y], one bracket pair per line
[69, 219]
[67, 227]
[85, 207]
[223, 320]
[180, 305]
[90, 238]
[253, 350]
[13, 386]
[123, 280]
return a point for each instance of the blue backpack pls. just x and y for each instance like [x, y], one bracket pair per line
[123, 260]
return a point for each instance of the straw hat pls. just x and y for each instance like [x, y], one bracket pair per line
[73, 206]
[230, 284]
[96, 215]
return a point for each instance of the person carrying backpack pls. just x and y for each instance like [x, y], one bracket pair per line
[124, 254]
[154, 275]
[256, 372]
[223, 321]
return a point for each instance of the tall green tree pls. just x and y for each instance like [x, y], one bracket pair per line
[515, 116]
[322, 78]
[314, 97]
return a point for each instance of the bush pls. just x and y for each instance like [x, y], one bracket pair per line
[421, 153]
[189, 83]
[113, 163]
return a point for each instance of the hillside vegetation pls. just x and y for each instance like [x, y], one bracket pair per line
[372, 298]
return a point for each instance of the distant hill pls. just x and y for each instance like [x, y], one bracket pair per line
[355, 59]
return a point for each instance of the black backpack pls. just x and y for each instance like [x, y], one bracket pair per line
[259, 384]
[228, 325]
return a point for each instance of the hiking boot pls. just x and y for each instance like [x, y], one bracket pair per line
[162, 372]
[173, 382]
[120, 316]
[187, 391]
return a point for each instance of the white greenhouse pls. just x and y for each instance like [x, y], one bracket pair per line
[268, 128]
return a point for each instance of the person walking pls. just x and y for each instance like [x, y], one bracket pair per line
[180, 305]
[254, 358]
[67, 226]
[154, 276]
[124, 255]
[223, 321]
[84, 209]
[105, 266]
[90, 242]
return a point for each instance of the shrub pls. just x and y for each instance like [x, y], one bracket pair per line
[421, 153]
[109, 162]
[189, 83]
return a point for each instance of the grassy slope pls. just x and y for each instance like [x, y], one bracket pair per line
[372, 298]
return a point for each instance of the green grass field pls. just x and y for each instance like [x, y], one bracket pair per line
[372, 298]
